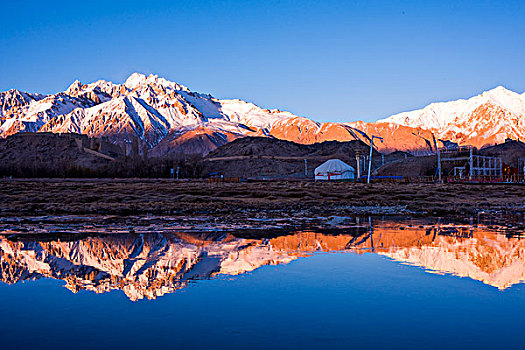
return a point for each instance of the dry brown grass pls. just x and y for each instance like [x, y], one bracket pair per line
[129, 196]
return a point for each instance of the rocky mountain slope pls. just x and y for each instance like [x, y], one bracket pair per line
[46, 154]
[168, 117]
[263, 157]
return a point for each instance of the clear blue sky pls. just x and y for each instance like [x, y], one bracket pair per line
[327, 60]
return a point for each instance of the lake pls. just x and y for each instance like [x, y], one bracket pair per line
[395, 283]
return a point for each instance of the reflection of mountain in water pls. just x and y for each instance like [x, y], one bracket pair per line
[155, 264]
[488, 257]
[140, 265]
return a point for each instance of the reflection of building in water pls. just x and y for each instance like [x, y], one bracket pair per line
[147, 266]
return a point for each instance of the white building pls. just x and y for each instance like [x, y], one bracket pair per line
[334, 169]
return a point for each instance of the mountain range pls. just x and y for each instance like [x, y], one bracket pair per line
[168, 117]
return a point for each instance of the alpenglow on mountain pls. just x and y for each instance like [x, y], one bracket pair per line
[168, 117]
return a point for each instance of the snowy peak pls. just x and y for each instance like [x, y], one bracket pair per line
[506, 99]
[499, 91]
[137, 80]
[74, 88]
[13, 102]
[440, 115]
[481, 120]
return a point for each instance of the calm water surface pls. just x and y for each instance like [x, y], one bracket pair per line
[393, 284]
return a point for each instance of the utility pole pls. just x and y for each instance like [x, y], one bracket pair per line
[370, 159]
[439, 165]
[471, 164]
[305, 168]
[358, 160]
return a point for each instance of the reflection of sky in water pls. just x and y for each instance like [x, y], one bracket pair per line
[337, 299]
[276, 299]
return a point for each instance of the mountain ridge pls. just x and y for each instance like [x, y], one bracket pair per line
[158, 111]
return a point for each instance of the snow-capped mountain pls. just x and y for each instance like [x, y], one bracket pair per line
[481, 120]
[169, 117]
[150, 108]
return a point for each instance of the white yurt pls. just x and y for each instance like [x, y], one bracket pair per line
[334, 169]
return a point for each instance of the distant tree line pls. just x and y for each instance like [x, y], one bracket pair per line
[190, 166]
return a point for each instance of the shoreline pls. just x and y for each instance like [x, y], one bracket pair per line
[73, 227]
